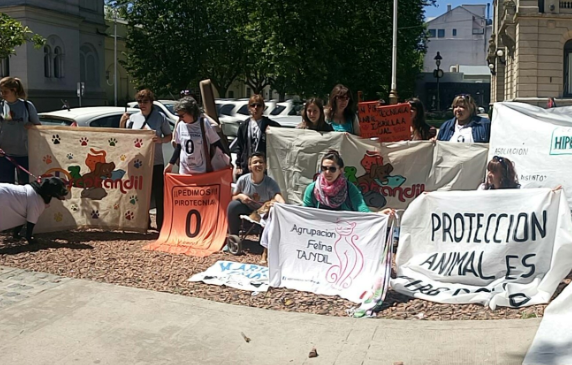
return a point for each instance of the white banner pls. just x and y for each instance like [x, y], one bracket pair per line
[108, 172]
[325, 252]
[388, 174]
[537, 140]
[499, 247]
[236, 275]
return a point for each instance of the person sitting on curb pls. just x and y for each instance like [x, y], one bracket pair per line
[466, 126]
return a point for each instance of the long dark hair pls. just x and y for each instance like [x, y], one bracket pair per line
[321, 125]
[349, 112]
[419, 124]
[504, 167]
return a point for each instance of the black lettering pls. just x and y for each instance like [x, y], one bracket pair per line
[526, 264]
[197, 227]
[479, 225]
[480, 268]
[442, 265]
[470, 216]
[472, 267]
[508, 267]
[536, 225]
[465, 291]
[482, 290]
[525, 234]
[509, 227]
[487, 228]
[434, 228]
[447, 227]
[497, 227]
[518, 299]
[459, 261]
[457, 217]
[430, 261]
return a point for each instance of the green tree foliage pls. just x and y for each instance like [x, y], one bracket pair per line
[301, 47]
[14, 34]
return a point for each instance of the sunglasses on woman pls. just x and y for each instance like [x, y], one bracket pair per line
[331, 169]
[256, 105]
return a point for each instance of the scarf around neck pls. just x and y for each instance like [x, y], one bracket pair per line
[331, 195]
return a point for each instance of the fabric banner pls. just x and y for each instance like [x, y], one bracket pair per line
[537, 140]
[236, 275]
[492, 247]
[389, 123]
[388, 174]
[325, 252]
[195, 221]
[551, 345]
[108, 172]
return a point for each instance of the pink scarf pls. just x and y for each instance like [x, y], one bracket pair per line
[331, 195]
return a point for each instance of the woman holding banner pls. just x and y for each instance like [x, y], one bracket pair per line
[466, 126]
[313, 117]
[331, 190]
[500, 175]
[341, 113]
[251, 192]
[420, 130]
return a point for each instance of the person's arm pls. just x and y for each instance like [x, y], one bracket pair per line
[307, 200]
[32, 114]
[357, 199]
[272, 123]
[123, 121]
[279, 198]
[240, 147]
[174, 159]
[165, 131]
[238, 192]
[357, 131]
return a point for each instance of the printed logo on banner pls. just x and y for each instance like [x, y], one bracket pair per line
[101, 175]
[203, 199]
[561, 141]
[350, 257]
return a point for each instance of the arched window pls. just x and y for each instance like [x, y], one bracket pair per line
[89, 65]
[58, 63]
[47, 61]
[568, 68]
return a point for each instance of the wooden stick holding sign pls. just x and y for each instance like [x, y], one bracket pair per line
[389, 123]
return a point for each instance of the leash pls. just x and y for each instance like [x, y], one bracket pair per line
[37, 178]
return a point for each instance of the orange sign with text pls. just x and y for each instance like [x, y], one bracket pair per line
[195, 220]
[389, 123]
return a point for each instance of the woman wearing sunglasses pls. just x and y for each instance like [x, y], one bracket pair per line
[341, 113]
[466, 126]
[500, 175]
[251, 136]
[331, 190]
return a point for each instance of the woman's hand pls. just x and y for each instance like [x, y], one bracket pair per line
[245, 199]
[123, 120]
[168, 169]
[557, 188]
[388, 211]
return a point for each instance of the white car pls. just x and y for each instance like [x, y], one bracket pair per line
[166, 107]
[97, 116]
[287, 113]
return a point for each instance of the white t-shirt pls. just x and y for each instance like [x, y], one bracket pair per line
[20, 204]
[189, 136]
[463, 134]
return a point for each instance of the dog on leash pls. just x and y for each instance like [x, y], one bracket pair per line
[23, 204]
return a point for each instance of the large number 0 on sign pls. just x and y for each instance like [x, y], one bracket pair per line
[195, 220]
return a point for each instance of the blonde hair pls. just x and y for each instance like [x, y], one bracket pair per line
[14, 84]
[256, 98]
[466, 101]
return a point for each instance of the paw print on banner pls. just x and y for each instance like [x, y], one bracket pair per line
[112, 142]
[56, 138]
[137, 163]
[74, 208]
[123, 157]
[47, 159]
[83, 141]
[138, 142]
[95, 214]
[129, 215]
[58, 217]
[70, 156]
[115, 206]
[133, 199]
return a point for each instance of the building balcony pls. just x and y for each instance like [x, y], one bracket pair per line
[565, 7]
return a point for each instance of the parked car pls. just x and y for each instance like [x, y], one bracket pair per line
[97, 116]
[166, 107]
[287, 113]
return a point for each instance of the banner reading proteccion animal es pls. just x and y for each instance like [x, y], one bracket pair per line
[326, 252]
[108, 172]
[195, 221]
[493, 247]
[538, 141]
[388, 174]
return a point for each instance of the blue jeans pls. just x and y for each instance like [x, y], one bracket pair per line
[8, 170]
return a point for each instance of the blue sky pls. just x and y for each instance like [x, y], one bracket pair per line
[432, 11]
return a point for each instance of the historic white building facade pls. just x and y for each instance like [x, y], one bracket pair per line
[75, 51]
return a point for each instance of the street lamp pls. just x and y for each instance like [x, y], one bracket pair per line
[438, 73]
[393, 97]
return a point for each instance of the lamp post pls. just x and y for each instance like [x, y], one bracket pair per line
[115, 55]
[393, 97]
[438, 73]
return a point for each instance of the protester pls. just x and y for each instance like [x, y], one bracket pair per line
[251, 192]
[17, 115]
[331, 190]
[251, 136]
[313, 116]
[500, 175]
[466, 126]
[189, 150]
[341, 112]
[152, 118]
[420, 130]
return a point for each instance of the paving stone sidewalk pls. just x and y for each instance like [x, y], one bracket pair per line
[17, 285]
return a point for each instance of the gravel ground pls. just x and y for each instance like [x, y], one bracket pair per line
[118, 258]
